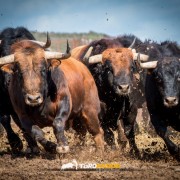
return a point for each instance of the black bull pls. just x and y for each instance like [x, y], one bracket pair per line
[113, 69]
[162, 89]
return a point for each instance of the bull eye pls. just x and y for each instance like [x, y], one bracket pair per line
[158, 79]
[43, 70]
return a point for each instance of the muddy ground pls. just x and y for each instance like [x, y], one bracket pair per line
[155, 163]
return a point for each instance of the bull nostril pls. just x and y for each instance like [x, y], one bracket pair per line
[33, 97]
[124, 87]
[170, 100]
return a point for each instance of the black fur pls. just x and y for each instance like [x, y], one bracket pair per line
[161, 83]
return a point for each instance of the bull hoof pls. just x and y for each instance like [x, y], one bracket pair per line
[32, 151]
[15, 143]
[177, 155]
[62, 149]
[1, 131]
[135, 154]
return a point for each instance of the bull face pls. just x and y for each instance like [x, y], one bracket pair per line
[30, 69]
[167, 77]
[118, 65]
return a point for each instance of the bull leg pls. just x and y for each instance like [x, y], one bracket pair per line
[38, 135]
[14, 140]
[161, 130]
[122, 140]
[59, 125]
[80, 129]
[32, 144]
[109, 137]
[130, 134]
[90, 119]
[129, 130]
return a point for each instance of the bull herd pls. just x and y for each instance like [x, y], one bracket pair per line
[96, 88]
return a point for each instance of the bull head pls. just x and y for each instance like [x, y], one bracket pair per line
[98, 58]
[32, 77]
[167, 78]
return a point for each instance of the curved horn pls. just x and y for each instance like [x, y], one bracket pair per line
[48, 42]
[95, 59]
[131, 46]
[58, 55]
[7, 59]
[43, 44]
[147, 65]
[38, 42]
[88, 53]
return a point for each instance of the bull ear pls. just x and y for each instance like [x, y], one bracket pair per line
[54, 63]
[8, 68]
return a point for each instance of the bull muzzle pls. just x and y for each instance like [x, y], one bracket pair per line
[123, 89]
[33, 100]
[171, 101]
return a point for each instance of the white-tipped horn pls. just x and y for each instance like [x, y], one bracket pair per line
[54, 55]
[149, 65]
[7, 59]
[38, 42]
[143, 57]
[58, 55]
[88, 53]
[95, 59]
[133, 43]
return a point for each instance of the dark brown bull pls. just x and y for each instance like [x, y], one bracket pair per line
[112, 67]
[45, 93]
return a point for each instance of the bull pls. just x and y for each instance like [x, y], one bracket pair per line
[9, 36]
[48, 89]
[162, 89]
[112, 67]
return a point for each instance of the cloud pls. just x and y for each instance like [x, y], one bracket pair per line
[147, 19]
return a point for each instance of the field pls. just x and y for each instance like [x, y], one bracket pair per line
[155, 162]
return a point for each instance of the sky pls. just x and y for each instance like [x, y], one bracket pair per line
[158, 20]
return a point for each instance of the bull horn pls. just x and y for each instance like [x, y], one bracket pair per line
[58, 55]
[38, 42]
[95, 59]
[147, 65]
[131, 46]
[88, 53]
[7, 59]
[43, 44]
[143, 57]
[48, 42]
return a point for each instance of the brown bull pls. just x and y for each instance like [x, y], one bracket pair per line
[47, 92]
[113, 68]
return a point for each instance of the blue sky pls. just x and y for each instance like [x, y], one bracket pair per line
[158, 20]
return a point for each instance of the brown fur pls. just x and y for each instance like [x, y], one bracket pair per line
[72, 80]
[120, 58]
